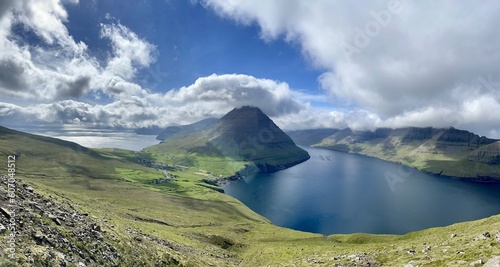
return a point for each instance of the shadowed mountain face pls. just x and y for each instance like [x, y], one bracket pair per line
[244, 134]
[489, 154]
[450, 152]
[311, 136]
[440, 138]
[249, 134]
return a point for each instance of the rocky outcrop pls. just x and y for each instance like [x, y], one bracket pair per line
[493, 262]
[450, 136]
[489, 154]
[70, 237]
[464, 138]
[416, 134]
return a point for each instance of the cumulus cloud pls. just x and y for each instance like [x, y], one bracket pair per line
[211, 96]
[128, 49]
[403, 61]
[59, 67]
[58, 74]
[388, 64]
[274, 98]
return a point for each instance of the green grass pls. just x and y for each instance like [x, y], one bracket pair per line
[209, 228]
[451, 162]
[174, 154]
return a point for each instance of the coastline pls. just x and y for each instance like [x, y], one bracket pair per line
[475, 179]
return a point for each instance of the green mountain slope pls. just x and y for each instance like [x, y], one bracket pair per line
[244, 136]
[448, 152]
[80, 206]
[186, 129]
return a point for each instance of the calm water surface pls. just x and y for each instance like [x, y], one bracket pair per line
[95, 138]
[336, 192]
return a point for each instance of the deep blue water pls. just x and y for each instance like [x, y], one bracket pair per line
[336, 192]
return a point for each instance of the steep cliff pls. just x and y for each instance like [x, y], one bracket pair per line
[450, 152]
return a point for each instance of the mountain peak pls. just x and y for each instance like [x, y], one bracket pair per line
[246, 120]
[244, 134]
[247, 133]
[245, 111]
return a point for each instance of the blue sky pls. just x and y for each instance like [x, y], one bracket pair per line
[307, 64]
[193, 42]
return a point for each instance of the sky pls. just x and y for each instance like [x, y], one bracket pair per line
[307, 64]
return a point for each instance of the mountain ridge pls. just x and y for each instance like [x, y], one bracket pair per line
[186, 129]
[117, 213]
[244, 134]
[310, 137]
[442, 151]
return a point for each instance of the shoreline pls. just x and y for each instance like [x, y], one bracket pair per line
[477, 179]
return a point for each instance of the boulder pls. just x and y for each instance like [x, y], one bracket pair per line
[482, 237]
[493, 262]
[476, 263]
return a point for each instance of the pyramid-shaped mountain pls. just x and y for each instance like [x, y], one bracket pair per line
[245, 134]
[248, 134]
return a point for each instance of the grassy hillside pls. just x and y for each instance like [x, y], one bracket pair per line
[132, 215]
[244, 136]
[447, 152]
[172, 131]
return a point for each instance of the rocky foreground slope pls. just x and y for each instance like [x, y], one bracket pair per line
[83, 207]
[53, 232]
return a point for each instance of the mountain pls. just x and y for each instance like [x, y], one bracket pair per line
[76, 206]
[186, 129]
[243, 135]
[310, 136]
[447, 152]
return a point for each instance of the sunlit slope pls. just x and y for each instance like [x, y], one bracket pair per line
[44, 156]
[180, 223]
[448, 152]
[172, 131]
[244, 135]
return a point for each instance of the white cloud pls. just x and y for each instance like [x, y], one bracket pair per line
[423, 64]
[234, 90]
[408, 60]
[211, 96]
[59, 67]
[128, 51]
